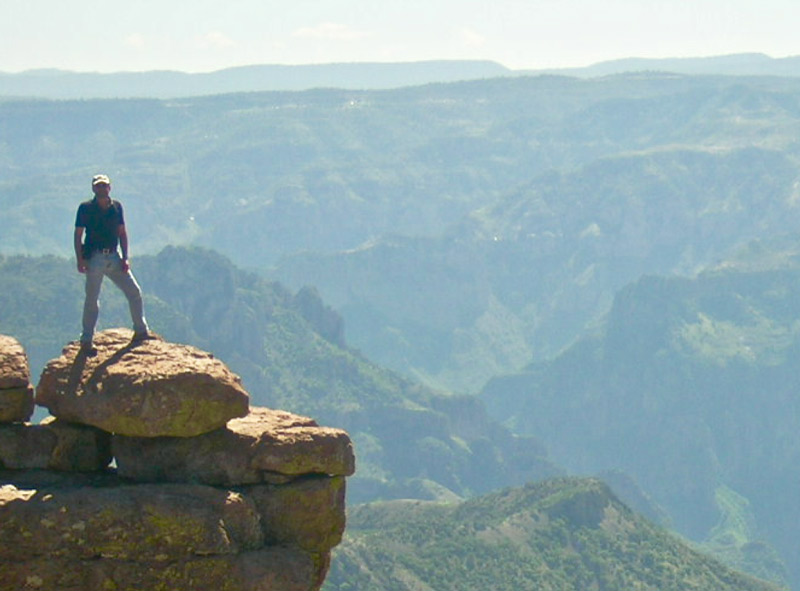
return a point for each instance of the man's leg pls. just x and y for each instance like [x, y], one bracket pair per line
[91, 303]
[127, 283]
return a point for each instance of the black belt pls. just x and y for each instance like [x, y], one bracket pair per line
[106, 250]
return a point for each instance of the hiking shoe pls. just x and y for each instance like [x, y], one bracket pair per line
[138, 337]
[88, 349]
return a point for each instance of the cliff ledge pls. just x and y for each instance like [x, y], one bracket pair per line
[153, 472]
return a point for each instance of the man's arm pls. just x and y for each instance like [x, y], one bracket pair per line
[77, 244]
[123, 245]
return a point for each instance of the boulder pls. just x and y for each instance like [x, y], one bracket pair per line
[264, 446]
[16, 392]
[151, 388]
[307, 512]
[14, 371]
[54, 444]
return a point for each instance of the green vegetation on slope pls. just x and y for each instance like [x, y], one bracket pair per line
[558, 535]
[690, 388]
[290, 351]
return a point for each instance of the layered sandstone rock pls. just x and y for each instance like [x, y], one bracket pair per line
[198, 501]
[291, 467]
[127, 522]
[271, 568]
[308, 512]
[54, 445]
[265, 446]
[16, 392]
[151, 388]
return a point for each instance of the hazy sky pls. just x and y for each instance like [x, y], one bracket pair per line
[206, 35]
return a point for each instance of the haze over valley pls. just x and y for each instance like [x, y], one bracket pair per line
[571, 295]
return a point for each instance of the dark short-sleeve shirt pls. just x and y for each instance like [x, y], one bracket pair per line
[102, 226]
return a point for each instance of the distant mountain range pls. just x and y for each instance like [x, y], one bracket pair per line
[61, 84]
[741, 64]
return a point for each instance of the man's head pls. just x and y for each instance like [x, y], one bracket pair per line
[101, 185]
[100, 179]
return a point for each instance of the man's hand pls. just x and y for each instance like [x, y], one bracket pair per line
[82, 266]
[126, 266]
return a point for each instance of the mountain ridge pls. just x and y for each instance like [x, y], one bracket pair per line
[65, 84]
[739, 64]
[689, 387]
[557, 535]
[68, 84]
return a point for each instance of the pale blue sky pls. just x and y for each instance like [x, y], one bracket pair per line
[206, 35]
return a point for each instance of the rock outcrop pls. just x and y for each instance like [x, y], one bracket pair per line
[54, 445]
[204, 494]
[150, 388]
[265, 446]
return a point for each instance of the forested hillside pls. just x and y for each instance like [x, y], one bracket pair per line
[534, 197]
[560, 535]
[290, 351]
[691, 388]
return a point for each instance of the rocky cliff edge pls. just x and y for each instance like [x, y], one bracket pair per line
[153, 472]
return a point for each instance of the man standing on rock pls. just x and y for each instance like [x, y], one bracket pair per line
[103, 222]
